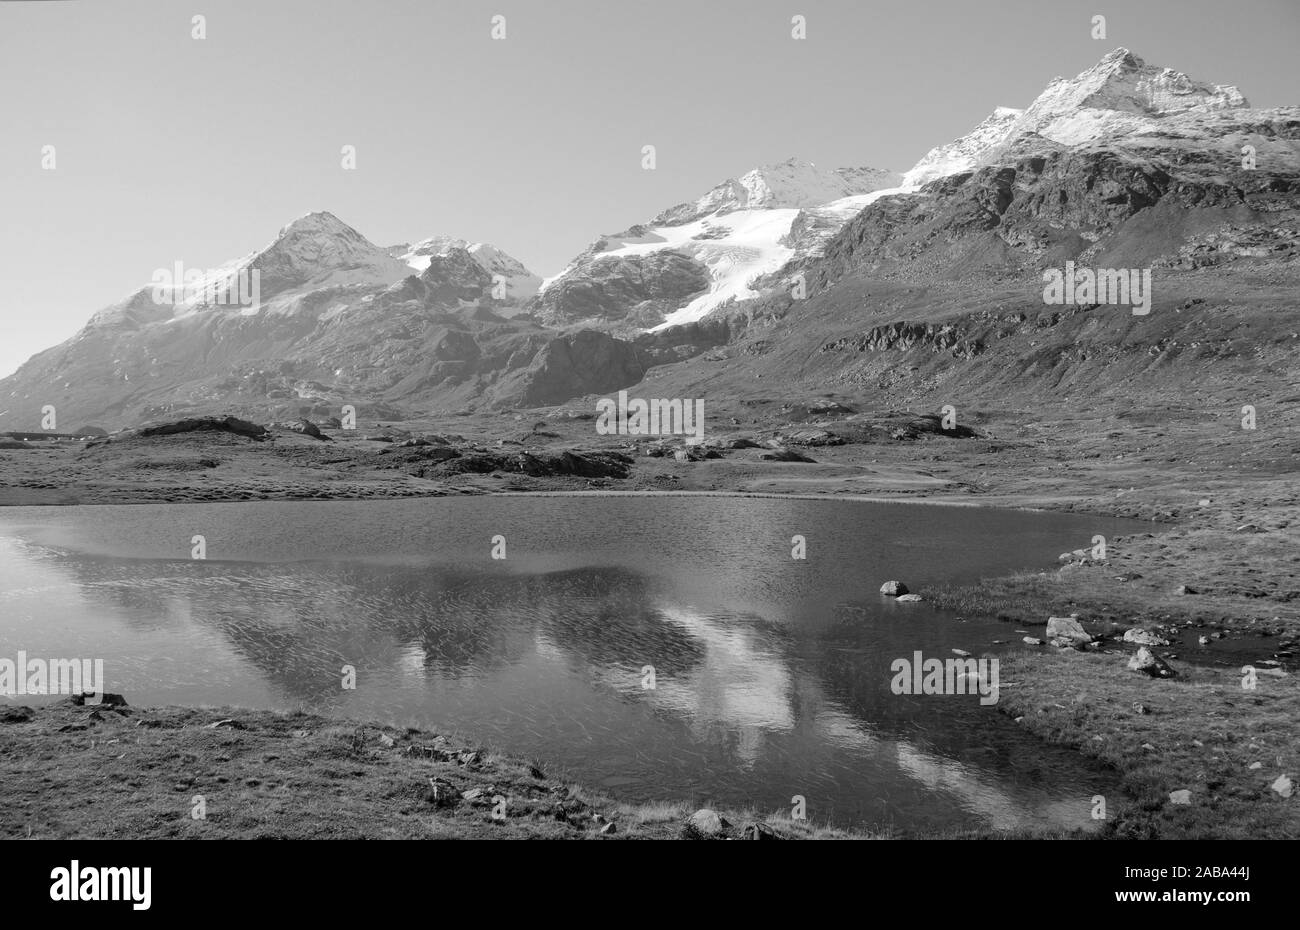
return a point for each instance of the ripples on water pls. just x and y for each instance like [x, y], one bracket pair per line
[772, 674]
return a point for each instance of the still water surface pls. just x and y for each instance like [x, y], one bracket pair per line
[771, 673]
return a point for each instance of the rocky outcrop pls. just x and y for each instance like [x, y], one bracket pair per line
[902, 336]
[635, 289]
[232, 425]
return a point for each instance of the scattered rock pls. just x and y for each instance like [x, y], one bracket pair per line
[893, 588]
[1184, 589]
[960, 652]
[1032, 641]
[1248, 528]
[1182, 796]
[1147, 662]
[1140, 708]
[1283, 786]
[608, 829]
[19, 714]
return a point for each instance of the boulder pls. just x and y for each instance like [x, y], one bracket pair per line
[908, 599]
[706, 824]
[1283, 786]
[893, 588]
[306, 427]
[1032, 641]
[1147, 662]
[1067, 628]
[1182, 796]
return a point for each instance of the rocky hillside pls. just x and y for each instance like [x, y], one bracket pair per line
[936, 295]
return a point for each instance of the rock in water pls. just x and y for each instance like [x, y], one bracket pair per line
[893, 588]
[1144, 638]
[908, 599]
[1147, 662]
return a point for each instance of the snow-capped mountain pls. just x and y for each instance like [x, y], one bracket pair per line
[314, 253]
[1119, 100]
[520, 283]
[698, 256]
[965, 153]
[749, 235]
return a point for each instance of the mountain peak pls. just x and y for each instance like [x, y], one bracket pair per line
[793, 183]
[317, 223]
[1123, 82]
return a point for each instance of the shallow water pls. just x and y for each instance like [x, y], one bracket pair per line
[771, 674]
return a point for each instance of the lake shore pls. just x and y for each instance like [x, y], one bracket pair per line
[1220, 561]
[72, 770]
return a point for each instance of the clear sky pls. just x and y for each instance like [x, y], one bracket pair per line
[170, 149]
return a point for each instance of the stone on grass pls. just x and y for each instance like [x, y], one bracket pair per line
[1147, 662]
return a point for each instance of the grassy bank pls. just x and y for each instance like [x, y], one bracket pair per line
[76, 771]
[1201, 732]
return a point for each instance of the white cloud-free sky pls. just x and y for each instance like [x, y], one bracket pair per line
[171, 149]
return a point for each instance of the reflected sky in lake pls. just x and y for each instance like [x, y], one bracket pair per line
[771, 674]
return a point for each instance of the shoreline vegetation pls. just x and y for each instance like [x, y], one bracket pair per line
[1199, 755]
